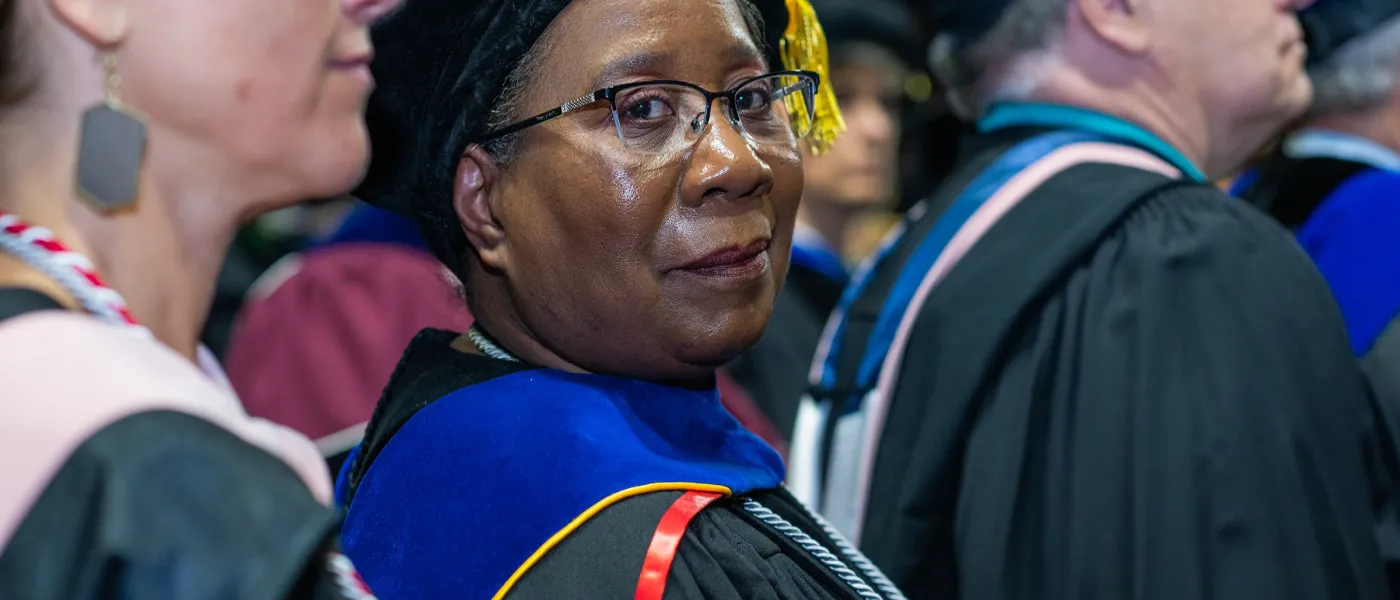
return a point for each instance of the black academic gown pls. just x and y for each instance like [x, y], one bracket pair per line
[1345, 217]
[1122, 398]
[1291, 189]
[410, 542]
[164, 505]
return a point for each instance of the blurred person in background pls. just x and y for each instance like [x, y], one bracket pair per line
[1336, 180]
[139, 135]
[872, 44]
[931, 130]
[1084, 371]
[256, 247]
[931, 139]
[321, 331]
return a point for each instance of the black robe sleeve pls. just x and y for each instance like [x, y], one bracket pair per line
[724, 555]
[1382, 366]
[164, 505]
[1183, 419]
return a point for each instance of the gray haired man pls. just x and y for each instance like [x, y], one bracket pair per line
[1082, 371]
[1336, 179]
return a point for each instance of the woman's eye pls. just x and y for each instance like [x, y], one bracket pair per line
[650, 108]
[754, 99]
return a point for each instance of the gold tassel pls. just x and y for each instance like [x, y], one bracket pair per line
[804, 47]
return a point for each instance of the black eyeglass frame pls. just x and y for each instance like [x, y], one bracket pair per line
[610, 94]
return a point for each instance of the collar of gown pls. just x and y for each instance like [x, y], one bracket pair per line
[1326, 143]
[1058, 116]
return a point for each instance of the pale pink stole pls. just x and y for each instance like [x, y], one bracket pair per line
[66, 376]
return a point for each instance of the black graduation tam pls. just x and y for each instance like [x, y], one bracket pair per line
[1330, 24]
[886, 23]
[440, 67]
[967, 20]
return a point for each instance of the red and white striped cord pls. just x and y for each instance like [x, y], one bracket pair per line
[348, 581]
[37, 247]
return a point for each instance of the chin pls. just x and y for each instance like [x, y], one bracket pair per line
[338, 180]
[335, 172]
[1302, 96]
[715, 346]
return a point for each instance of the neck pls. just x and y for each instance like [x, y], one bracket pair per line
[164, 261]
[828, 219]
[1091, 75]
[1380, 125]
[163, 256]
[1181, 128]
[489, 300]
[493, 308]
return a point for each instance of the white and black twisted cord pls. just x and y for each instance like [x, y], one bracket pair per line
[488, 347]
[812, 547]
[871, 572]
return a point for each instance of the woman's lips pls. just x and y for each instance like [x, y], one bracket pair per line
[356, 66]
[732, 262]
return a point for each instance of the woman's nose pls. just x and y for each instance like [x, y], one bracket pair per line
[725, 166]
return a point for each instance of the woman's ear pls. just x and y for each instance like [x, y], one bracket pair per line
[477, 175]
[102, 23]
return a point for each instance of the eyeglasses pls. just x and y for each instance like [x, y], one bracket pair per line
[666, 117]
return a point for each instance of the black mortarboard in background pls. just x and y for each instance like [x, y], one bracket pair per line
[440, 67]
[885, 23]
[1330, 24]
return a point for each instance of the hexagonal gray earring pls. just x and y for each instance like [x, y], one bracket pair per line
[111, 148]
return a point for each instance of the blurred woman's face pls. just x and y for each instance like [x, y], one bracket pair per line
[860, 172]
[625, 263]
[267, 94]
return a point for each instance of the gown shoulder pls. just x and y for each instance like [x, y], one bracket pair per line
[164, 505]
[1181, 417]
[536, 452]
[725, 554]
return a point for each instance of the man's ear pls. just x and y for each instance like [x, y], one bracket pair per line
[477, 176]
[103, 23]
[1119, 23]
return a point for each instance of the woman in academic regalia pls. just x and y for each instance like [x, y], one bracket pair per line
[130, 471]
[615, 182]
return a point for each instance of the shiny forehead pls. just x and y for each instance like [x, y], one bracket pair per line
[736, 55]
[597, 43]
